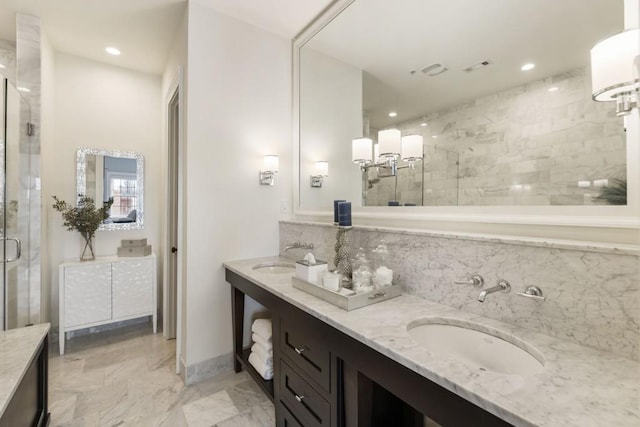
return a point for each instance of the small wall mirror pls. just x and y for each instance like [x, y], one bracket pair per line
[102, 174]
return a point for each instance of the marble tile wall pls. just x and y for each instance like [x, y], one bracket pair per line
[8, 60]
[592, 295]
[524, 146]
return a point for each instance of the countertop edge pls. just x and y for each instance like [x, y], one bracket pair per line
[46, 328]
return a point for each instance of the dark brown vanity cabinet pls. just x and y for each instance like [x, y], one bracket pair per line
[28, 406]
[323, 377]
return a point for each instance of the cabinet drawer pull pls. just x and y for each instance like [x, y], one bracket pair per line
[299, 398]
[299, 350]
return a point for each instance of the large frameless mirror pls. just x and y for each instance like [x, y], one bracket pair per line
[498, 93]
[104, 174]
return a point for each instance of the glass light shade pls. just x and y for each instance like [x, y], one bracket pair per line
[412, 147]
[271, 163]
[615, 66]
[390, 143]
[361, 151]
[322, 168]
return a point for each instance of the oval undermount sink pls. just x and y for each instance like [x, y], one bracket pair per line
[484, 349]
[275, 267]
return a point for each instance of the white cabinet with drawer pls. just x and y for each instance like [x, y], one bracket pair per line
[106, 290]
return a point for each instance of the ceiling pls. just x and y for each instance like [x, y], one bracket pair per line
[143, 29]
[389, 39]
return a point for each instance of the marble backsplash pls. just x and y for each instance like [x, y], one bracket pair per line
[592, 296]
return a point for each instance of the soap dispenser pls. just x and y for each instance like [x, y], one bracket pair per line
[382, 274]
[361, 272]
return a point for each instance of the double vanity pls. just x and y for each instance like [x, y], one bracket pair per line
[395, 362]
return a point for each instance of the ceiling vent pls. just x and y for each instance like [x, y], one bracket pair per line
[477, 66]
[434, 69]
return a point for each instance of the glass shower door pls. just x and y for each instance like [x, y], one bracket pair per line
[15, 296]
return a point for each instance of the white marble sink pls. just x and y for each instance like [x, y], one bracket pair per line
[276, 267]
[476, 346]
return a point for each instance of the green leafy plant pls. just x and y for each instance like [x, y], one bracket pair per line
[615, 193]
[84, 218]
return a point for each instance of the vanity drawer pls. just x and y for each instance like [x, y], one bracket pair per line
[305, 404]
[286, 418]
[311, 357]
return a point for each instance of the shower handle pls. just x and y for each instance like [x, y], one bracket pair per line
[18, 249]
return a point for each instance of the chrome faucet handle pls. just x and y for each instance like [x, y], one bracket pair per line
[476, 280]
[533, 292]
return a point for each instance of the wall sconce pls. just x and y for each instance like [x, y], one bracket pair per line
[391, 147]
[270, 165]
[390, 144]
[615, 70]
[361, 151]
[412, 146]
[322, 171]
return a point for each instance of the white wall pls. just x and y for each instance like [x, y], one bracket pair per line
[100, 106]
[47, 150]
[239, 108]
[330, 117]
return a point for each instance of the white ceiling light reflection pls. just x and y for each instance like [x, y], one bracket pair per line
[112, 50]
[527, 67]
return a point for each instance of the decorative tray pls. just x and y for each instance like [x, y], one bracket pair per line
[348, 302]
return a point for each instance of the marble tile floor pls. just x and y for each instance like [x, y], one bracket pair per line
[126, 377]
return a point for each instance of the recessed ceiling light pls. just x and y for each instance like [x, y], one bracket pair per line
[112, 50]
[423, 124]
[393, 114]
[434, 136]
[23, 89]
[2, 66]
[554, 89]
[527, 67]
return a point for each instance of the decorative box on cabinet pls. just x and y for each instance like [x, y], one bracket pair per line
[106, 290]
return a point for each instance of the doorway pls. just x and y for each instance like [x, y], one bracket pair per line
[173, 222]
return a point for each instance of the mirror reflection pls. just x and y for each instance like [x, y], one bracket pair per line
[104, 174]
[497, 92]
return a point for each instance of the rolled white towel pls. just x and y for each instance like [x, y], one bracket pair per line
[262, 327]
[266, 345]
[266, 357]
[265, 371]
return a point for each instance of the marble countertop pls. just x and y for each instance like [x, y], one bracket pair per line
[17, 350]
[579, 386]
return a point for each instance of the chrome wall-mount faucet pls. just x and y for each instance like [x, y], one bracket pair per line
[502, 286]
[299, 245]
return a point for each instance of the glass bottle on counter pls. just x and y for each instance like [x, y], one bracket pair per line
[361, 272]
[382, 274]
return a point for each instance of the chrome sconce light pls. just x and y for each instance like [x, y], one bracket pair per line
[615, 64]
[270, 165]
[412, 146]
[322, 171]
[361, 152]
[391, 148]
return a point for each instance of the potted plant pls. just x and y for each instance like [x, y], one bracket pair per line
[613, 194]
[84, 218]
